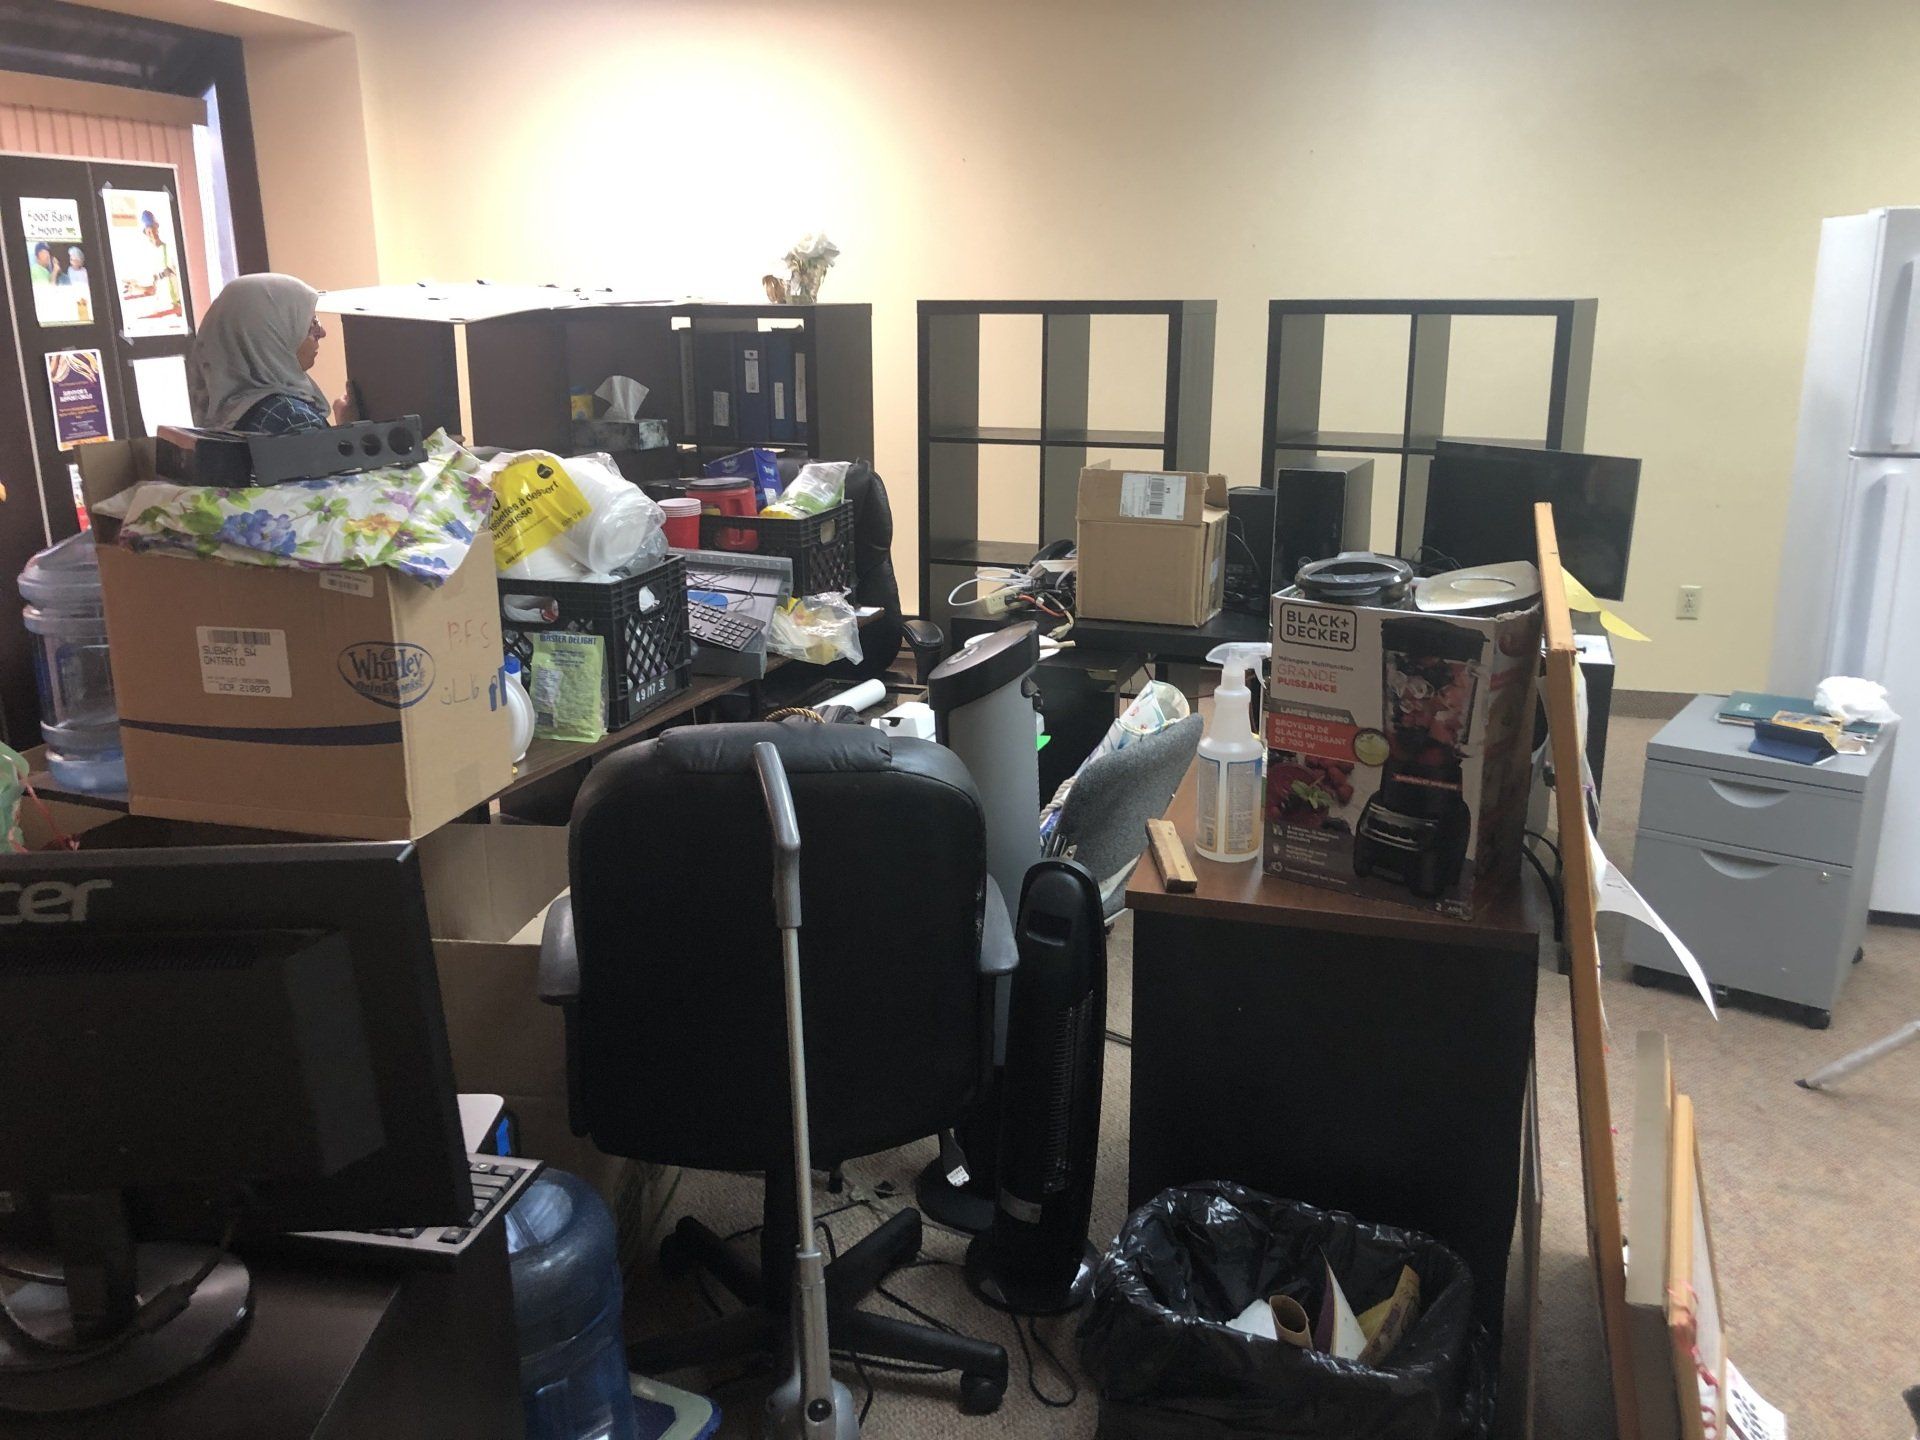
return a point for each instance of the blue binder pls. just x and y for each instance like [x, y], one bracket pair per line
[714, 401]
[781, 424]
[750, 389]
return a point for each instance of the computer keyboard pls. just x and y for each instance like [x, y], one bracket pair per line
[715, 625]
[497, 1183]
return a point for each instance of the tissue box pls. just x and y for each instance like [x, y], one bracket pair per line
[614, 436]
[760, 466]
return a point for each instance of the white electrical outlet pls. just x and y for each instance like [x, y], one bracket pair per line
[1689, 606]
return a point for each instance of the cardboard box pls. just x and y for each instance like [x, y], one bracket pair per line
[488, 889]
[1399, 750]
[1152, 545]
[363, 704]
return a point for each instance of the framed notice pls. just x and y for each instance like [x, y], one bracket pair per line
[145, 248]
[56, 261]
[77, 381]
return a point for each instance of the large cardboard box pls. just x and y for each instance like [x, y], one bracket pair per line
[488, 890]
[363, 704]
[1399, 750]
[1152, 545]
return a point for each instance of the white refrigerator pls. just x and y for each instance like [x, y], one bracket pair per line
[1849, 596]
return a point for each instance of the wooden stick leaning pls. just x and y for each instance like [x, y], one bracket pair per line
[1598, 1163]
[1170, 858]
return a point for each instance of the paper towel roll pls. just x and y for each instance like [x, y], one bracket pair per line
[863, 696]
[1290, 1322]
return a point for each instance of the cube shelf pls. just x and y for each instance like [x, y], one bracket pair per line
[952, 437]
[512, 386]
[1296, 358]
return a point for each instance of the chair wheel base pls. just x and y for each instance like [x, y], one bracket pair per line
[981, 1394]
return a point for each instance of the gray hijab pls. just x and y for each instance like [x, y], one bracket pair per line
[245, 350]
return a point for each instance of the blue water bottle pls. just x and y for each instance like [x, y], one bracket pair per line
[566, 1304]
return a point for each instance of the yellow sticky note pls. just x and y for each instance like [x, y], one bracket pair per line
[1614, 625]
[1582, 599]
[1578, 596]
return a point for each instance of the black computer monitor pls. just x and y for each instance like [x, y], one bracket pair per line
[204, 1044]
[1480, 501]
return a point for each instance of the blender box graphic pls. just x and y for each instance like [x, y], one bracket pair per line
[1399, 750]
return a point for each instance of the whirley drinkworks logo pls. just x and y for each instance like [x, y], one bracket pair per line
[388, 673]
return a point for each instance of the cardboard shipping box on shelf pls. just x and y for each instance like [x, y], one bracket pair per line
[1151, 545]
[488, 891]
[1399, 750]
[360, 704]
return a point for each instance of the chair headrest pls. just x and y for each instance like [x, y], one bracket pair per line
[804, 749]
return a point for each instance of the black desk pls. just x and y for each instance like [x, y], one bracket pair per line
[1171, 642]
[341, 1350]
[1350, 1053]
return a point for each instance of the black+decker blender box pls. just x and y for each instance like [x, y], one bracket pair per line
[1398, 749]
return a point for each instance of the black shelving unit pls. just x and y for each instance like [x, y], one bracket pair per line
[833, 400]
[951, 435]
[1296, 351]
[521, 366]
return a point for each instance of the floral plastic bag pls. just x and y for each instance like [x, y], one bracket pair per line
[417, 519]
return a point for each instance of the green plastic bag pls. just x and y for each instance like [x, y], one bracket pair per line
[569, 686]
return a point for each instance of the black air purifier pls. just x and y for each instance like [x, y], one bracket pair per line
[1035, 1259]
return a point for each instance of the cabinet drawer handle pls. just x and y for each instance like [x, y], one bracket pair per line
[1738, 867]
[1752, 797]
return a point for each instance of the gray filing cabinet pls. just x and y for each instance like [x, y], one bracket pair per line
[1762, 866]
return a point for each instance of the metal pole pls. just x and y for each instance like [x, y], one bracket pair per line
[1862, 1057]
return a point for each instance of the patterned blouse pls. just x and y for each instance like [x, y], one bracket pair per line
[281, 415]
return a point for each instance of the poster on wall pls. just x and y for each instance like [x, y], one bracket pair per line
[56, 261]
[78, 382]
[146, 263]
[160, 381]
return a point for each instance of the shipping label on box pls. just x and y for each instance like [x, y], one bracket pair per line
[1398, 750]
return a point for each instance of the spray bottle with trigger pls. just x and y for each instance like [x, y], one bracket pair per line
[1232, 761]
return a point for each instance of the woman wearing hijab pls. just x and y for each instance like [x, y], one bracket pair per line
[248, 366]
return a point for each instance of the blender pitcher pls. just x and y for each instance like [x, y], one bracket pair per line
[1415, 828]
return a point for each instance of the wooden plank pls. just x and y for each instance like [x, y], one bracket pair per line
[1581, 889]
[1170, 856]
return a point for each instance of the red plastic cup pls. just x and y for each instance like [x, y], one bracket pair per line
[683, 523]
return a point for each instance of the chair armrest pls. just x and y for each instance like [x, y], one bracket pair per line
[999, 955]
[926, 640]
[559, 976]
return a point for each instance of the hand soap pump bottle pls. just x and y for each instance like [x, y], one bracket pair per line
[1232, 761]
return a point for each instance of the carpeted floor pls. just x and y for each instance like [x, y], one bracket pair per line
[1815, 1205]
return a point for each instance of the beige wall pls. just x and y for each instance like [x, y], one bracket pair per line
[1673, 160]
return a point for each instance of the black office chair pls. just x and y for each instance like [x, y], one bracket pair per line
[666, 959]
[876, 583]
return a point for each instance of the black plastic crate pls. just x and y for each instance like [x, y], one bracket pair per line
[820, 546]
[643, 620]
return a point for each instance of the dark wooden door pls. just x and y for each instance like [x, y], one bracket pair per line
[66, 324]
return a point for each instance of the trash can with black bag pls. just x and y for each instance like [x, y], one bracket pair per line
[1168, 1366]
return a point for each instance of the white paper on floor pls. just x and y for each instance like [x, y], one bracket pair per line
[1749, 1416]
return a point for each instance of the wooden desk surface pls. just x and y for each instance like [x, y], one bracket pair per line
[1247, 893]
